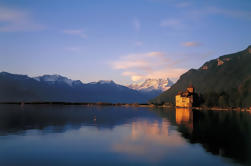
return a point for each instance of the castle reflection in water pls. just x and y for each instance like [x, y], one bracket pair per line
[143, 135]
[184, 116]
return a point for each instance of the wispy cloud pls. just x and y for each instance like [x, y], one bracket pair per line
[190, 18]
[191, 44]
[138, 43]
[75, 32]
[136, 24]
[134, 76]
[73, 48]
[132, 61]
[242, 14]
[171, 22]
[12, 20]
[232, 13]
[147, 65]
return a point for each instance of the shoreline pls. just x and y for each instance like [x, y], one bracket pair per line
[77, 103]
[216, 108]
[125, 105]
[222, 109]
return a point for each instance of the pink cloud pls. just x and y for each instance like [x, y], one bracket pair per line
[17, 20]
[147, 65]
[191, 44]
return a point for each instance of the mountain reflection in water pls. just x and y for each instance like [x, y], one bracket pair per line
[78, 135]
[225, 133]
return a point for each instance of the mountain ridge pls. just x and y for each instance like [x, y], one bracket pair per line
[56, 88]
[224, 82]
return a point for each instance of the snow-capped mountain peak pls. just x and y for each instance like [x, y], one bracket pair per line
[152, 84]
[106, 82]
[54, 78]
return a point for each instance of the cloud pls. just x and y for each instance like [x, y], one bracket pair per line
[191, 44]
[136, 24]
[12, 20]
[190, 18]
[155, 54]
[75, 32]
[242, 14]
[73, 49]
[134, 76]
[138, 61]
[137, 77]
[128, 64]
[147, 65]
[139, 142]
[237, 14]
[173, 23]
[138, 43]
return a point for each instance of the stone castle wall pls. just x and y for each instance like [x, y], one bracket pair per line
[183, 101]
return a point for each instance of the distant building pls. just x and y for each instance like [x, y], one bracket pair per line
[185, 99]
[220, 62]
[205, 67]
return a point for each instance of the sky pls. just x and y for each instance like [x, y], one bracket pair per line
[122, 40]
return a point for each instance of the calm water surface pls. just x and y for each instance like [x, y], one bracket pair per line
[80, 135]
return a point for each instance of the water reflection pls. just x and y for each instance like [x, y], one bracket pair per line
[184, 115]
[46, 118]
[143, 134]
[80, 135]
[224, 133]
[184, 118]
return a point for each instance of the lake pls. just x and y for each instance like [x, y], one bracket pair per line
[39, 135]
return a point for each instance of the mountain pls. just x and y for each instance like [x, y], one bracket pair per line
[54, 79]
[224, 82]
[56, 88]
[152, 84]
[58, 80]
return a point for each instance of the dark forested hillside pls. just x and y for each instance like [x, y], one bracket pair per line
[224, 82]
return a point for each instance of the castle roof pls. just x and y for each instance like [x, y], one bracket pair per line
[186, 93]
[190, 86]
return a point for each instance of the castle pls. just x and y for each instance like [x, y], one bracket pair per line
[185, 99]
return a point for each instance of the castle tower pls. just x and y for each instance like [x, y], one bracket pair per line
[190, 89]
